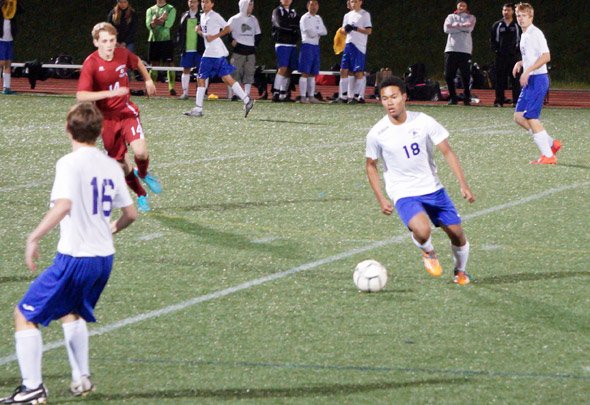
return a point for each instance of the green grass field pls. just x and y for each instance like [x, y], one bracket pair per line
[237, 287]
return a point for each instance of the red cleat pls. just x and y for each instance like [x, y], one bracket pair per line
[544, 160]
[556, 146]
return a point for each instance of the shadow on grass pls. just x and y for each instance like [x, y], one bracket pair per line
[574, 166]
[16, 279]
[316, 123]
[256, 204]
[524, 277]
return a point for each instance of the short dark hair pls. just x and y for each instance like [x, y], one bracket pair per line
[510, 5]
[393, 81]
[84, 122]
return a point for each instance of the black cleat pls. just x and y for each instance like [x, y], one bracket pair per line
[23, 395]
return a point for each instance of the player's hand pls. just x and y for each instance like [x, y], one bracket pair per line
[349, 27]
[121, 91]
[386, 207]
[31, 254]
[467, 194]
[516, 68]
[524, 79]
[150, 88]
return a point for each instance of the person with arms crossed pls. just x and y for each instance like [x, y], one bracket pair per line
[159, 19]
[191, 44]
[88, 187]
[312, 28]
[214, 61]
[10, 9]
[405, 141]
[104, 80]
[285, 33]
[534, 80]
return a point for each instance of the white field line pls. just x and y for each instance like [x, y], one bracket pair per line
[307, 266]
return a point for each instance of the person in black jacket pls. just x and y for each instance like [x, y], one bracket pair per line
[190, 43]
[10, 9]
[285, 33]
[505, 40]
[124, 19]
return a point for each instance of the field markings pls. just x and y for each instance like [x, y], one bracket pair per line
[303, 267]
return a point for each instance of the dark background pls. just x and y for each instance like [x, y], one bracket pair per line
[404, 32]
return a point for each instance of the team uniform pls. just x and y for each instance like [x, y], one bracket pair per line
[285, 33]
[312, 28]
[245, 30]
[160, 43]
[192, 47]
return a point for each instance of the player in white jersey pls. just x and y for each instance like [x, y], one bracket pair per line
[535, 84]
[405, 141]
[312, 28]
[214, 61]
[88, 186]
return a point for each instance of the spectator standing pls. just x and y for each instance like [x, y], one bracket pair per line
[505, 41]
[285, 33]
[191, 45]
[124, 18]
[459, 25]
[159, 19]
[312, 28]
[10, 9]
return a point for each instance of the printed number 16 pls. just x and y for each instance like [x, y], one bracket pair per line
[103, 197]
[415, 150]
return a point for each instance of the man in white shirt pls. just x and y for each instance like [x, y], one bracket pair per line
[312, 28]
[88, 186]
[535, 84]
[405, 141]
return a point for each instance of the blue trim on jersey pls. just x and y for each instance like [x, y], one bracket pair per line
[438, 206]
[532, 96]
[214, 67]
[6, 50]
[353, 59]
[190, 60]
[69, 285]
[309, 59]
[286, 57]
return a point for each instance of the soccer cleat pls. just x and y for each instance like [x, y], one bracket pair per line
[304, 100]
[461, 278]
[431, 263]
[353, 101]
[183, 97]
[151, 181]
[339, 101]
[142, 204]
[195, 112]
[83, 387]
[248, 107]
[7, 91]
[23, 395]
[313, 100]
[556, 146]
[544, 160]
[172, 92]
[361, 100]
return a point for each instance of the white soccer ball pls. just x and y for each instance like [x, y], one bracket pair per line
[370, 276]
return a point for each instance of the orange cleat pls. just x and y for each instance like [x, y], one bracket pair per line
[556, 146]
[461, 278]
[544, 160]
[431, 263]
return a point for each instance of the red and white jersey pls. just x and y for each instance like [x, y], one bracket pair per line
[98, 74]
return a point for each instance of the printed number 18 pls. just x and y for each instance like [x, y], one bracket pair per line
[415, 149]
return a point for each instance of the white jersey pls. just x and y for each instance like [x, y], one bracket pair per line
[6, 31]
[532, 45]
[244, 29]
[407, 154]
[361, 19]
[312, 28]
[211, 24]
[95, 185]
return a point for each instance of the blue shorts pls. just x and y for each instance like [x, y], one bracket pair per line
[286, 57]
[532, 96]
[190, 60]
[69, 285]
[6, 50]
[214, 67]
[309, 59]
[438, 206]
[353, 59]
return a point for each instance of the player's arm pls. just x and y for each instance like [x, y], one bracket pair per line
[150, 87]
[374, 182]
[455, 165]
[170, 18]
[128, 216]
[60, 209]
[543, 60]
[101, 95]
[220, 34]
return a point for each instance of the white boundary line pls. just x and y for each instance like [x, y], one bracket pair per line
[271, 277]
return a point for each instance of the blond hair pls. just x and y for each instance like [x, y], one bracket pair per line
[525, 8]
[103, 26]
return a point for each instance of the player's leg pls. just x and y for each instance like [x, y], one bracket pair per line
[76, 340]
[185, 78]
[460, 250]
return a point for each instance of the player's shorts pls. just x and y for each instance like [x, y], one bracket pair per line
[245, 67]
[214, 67]
[353, 59]
[161, 51]
[309, 59]
[6, 50]
[438, 206]
[532, 96]
[286, 56]
[117, 133]
[190, 60]
[71, 285]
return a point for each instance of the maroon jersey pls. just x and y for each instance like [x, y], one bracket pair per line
[98, 74]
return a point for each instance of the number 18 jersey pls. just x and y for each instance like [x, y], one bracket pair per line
[406, 150]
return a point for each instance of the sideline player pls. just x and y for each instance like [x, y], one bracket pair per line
[285, 34]
[312, 28]
[88, 186]
[104, 79]
[405, 141]
[190, 43]
[535, 84]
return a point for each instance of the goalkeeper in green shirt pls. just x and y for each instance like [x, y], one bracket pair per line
[158, 20]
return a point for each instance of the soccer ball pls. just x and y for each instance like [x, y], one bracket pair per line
[370, 276]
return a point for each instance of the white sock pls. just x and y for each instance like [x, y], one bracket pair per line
[200, 97]
[361, 86]
[278, 82]
[185, 79]
[311, 86]
[351, 86]
[6, 78]
[303, 87]
[230, 92]
[426, 246]
[343, 88]
[542, 141]
[460, 256]
[29, 351]
[247, 88]
[206, 83]
[76, 342]
[238, 91]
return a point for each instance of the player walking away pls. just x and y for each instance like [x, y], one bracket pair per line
[191, 44]
[405, 141]
[312, 28]
[104, 79]
[159, 19]
[357, 26]
[285, 33]
[535, 84]
[214, 61]
[10, 9]
[88, 186]
[505, 40]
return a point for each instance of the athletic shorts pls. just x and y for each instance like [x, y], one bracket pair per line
[6, 50]
[438, 206]
[286, 56]
[353, 59]
[245, 67]
[214, 67]
[190, 60]
[69, 285]
[120, 132]
[309, 59]
[532, 96]
[161, 51]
